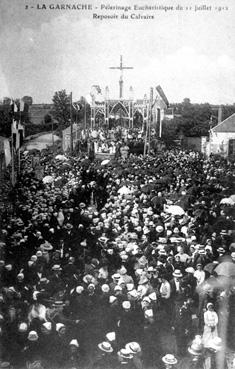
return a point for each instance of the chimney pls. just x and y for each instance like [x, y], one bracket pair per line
[220, 114]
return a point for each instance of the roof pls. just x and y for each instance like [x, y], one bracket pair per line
[162, 95]
[228, 125]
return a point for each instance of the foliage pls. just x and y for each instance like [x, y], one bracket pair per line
[84, 111]
[32, 129]
[192, 119]
[227, 110]
[5, 121]
[48, 119]
[28, 100]
[61, 108]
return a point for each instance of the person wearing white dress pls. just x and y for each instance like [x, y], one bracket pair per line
[211, 322]
[199, 274]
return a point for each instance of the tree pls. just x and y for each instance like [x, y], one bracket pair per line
[6, 101]
[84, 111]
[5, 120]
[48, 119]
[61, 109]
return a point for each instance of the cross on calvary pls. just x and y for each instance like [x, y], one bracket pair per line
[121, 68]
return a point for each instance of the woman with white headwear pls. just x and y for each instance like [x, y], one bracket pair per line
[211, 322]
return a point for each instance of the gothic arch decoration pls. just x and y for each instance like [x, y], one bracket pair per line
[119, 106]
[127, 109]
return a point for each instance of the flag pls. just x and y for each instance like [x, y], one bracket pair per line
[98, 89]
[12, 106]
[162, 95]
[76, 106]
[16, 107]
[15, 135]
[7, 152]
[21, 134]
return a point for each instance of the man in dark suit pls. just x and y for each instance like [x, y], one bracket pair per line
[177, 293]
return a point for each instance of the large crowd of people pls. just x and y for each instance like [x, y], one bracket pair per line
[124, 263]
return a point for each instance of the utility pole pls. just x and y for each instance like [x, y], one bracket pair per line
[12, 156]
[71, 126]
[148, 125]
[85, 115]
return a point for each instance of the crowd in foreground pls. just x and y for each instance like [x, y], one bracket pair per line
[119, 265]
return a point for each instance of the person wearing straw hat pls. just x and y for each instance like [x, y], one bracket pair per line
[47, 342]
[112, 339]
[125, 359]
[104, 356]
[150, 340]
[195, 357]
[135, 349]
[73, 358]
[214, 347]
[32, 348]
[125, 324]
[169, 361]
[177, 294]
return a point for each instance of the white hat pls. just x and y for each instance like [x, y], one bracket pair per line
[105, 346]
[32, 336]
[74, 342]
[190, 270]
[215, 343]
[133, 347]
[133, 293]
[122, 270]
[121, 280]
[116, 276]
[177, 273]
[47, 325]
[130, 286]
[79, 289]
[126, 305]
[148, 313]
[169, 359]
[111, 336]
[105, 288]
[147, 299]
[125, 354]
[59, 326]
[153, 296]
[117, 288]
[23, 327]
[112, 299]
[20, 275]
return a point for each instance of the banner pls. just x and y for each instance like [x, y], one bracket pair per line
[7, 152]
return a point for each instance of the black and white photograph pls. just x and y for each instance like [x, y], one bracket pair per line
[117, 184]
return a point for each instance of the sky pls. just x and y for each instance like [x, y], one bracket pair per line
[188, 53]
